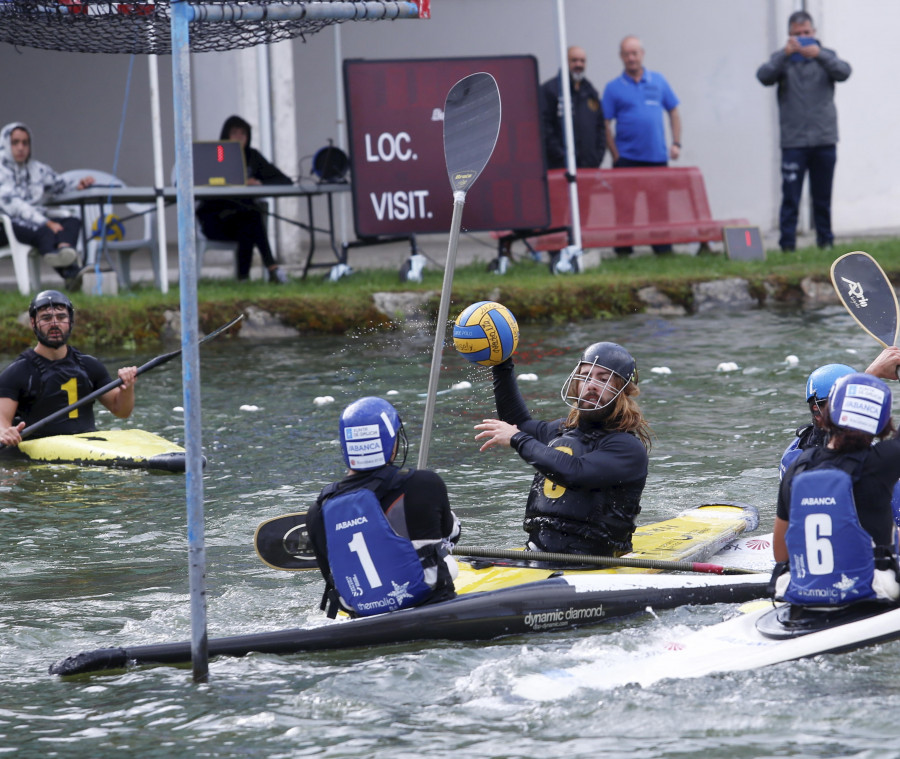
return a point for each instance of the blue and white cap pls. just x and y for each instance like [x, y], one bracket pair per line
[860, 402]
[369, 429]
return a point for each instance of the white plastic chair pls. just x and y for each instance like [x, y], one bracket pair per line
[26, 259]
[143, 219]
[203, 243]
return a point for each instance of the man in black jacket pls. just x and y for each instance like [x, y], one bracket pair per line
[588, 124]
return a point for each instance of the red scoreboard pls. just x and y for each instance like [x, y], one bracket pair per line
[399, 177]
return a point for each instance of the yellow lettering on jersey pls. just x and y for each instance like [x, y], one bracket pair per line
[551, 489]
[71, 388]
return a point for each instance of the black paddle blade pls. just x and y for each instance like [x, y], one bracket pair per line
[868, 295]
[471, 127]
[283, 543]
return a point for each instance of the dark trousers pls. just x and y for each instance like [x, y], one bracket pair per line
[819, 161]
[247, 227]
[627, 163]
[45, 239]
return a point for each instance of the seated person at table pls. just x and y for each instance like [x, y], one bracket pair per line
[243, 220]
[52, 375]
[382, 535]
[24, 184]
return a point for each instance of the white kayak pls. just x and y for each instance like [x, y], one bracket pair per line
[731, 646]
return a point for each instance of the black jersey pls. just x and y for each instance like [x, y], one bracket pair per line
[586, 492]
[41, 387]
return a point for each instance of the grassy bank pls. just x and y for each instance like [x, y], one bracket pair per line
[136, 319]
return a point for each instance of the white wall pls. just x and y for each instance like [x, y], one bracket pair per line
[709, 51]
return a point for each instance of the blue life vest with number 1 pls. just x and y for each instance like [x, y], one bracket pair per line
[831, 556]
[374, 569]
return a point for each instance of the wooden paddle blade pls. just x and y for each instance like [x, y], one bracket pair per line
[283, 543]
[471, 127]
[868, 295]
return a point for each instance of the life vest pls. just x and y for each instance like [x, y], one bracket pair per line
[808, 436]
[895, 503]
[374, 569]
[831, 556]
[62, 383]
[603, 517]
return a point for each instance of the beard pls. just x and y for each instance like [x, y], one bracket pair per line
[577, 76]
[59, 338]
[595, 415]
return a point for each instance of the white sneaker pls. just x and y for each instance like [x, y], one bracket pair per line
[278, 276]
[61, 257]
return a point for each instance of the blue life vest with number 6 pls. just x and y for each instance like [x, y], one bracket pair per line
[374, 569]
[831, 556]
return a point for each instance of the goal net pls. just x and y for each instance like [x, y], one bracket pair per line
[88, 26]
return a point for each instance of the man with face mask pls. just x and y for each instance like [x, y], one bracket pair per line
[591, 465]
[54, 375]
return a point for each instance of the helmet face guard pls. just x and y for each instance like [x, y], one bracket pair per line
[370, 429]
[583, 390]
[860, 402]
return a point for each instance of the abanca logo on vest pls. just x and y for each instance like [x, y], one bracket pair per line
[351, 523]
[825, 501]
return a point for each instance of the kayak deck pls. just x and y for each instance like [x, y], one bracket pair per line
[132, 449]
[693, 535]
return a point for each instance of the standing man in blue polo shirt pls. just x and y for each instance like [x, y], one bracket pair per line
[635, 101]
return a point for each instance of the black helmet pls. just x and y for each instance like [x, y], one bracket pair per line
[607, 355]
[51, 298]
[612, 356]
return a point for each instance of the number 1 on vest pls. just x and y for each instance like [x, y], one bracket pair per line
[358, 546]
[71, 388]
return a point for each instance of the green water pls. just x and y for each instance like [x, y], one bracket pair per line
[96, 557]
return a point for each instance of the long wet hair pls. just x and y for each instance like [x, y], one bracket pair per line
[623, 414]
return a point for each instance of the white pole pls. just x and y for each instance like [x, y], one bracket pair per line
[341, 124]
[158, 176]
[567, 125]
[264, 100]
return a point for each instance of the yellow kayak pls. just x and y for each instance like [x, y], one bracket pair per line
[694, 536]
[132, 449]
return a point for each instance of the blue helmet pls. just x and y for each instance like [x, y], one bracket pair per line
[820, 382]
[369, 429]
[860, 402]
